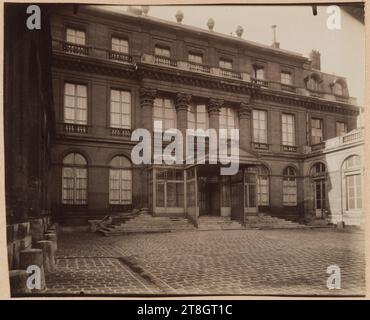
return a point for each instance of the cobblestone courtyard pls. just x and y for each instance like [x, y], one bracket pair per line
[273, 262]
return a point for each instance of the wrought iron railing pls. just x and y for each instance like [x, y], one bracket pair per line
[75, 128]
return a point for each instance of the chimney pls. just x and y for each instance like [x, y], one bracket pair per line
[315, 57]
[275, 44]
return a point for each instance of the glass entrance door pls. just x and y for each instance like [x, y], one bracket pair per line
[320, 197]
[250, 190]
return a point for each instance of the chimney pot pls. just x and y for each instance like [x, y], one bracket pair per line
[145, 9]
[210, 24]
[315, 57]
[179, 16]
[239, 31]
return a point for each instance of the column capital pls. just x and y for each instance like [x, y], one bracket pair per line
[245, 110]
[214, 105]
[182, 101]
[147, 95]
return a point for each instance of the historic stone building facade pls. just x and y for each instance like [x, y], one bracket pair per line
[115, 72]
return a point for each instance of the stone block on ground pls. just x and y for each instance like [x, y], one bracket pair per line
[18, 282]
[48, 250]
[33, 257]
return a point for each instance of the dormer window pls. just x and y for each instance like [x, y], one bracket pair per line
[286, 78]
[225, 64]
[338, 89]
[313, 83]
[195, 57]
[119, 45]
[162, 51]
[259, 72]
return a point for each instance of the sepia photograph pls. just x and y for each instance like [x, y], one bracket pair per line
[184, 150]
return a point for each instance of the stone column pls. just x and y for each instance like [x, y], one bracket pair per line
[182, 104]
[245, 132]
[147, 96]
[214, 108]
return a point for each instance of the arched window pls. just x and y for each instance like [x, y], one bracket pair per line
[338, 89]
[263, 186]
[120, 181]
[318, 169]
[351, 170]
[74, 179]
[289, 187]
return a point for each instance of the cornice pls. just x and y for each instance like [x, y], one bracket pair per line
[139, 71]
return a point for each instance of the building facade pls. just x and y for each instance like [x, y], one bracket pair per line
[115, 72]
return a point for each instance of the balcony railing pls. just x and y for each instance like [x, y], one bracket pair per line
[120, 132]
[318, 146]
[74, 48]
[260, 82]
[316, 94]
[165, 61]
[340, 98]
[289, 148]
[352, 137]
[193, 66]
[75, 128]
[260, 145]
[230, 73]
[119, 56]
[288, 87]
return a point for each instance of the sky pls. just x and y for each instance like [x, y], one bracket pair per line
[342, 51]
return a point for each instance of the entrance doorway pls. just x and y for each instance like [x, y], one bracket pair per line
[320, 197]
[250, 190]
[209, 196]
[318, 176]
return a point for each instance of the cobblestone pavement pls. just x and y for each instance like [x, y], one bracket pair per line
[239, 262]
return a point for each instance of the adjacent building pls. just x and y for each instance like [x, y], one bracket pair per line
[113, 72]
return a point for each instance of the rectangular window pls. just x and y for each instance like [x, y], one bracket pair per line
[263, 190]
[228, 119]
[225, 64]
[341, 128]
[353, 186]
[289, 192]
[76, 36]
[119, 45]
[75, 103]
[259, 73]
[170, 188]
[195, 57]
[162, 51]
[164, 110]
[198, 117]
[120, 186]
[288, 129]
[120, 109]
[74, 185]
[286, 78]
[259, 126]
[316, 131]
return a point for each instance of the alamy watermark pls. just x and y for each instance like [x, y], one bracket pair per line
[222, 148]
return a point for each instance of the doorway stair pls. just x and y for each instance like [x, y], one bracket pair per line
[218, 223]
[264, 221]
[146, 223]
